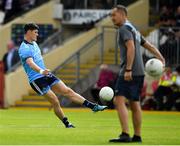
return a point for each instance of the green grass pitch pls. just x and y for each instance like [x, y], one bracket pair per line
[42, 127]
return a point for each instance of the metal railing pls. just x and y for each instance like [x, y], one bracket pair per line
[167, 40]
[109, 30]
[169, 44]
[108, 36]
[101, 43]
[14, 67]
[52, 42]
[76, 57]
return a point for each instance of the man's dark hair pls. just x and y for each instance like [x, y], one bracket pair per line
[30, 26]
[121, 8]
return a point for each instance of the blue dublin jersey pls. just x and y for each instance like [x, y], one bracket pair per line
[31, 50]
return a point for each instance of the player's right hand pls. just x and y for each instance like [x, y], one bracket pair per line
[46, 72]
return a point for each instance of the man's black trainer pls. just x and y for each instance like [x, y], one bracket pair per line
[124, 137]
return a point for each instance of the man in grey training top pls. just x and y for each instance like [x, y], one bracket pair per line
[131, 74]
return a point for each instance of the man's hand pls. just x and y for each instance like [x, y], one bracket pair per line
[163, 61]
[154, 51]
[128, 75]
[46, 72]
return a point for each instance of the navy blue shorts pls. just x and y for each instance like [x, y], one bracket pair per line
[42, 85]
[129, 89]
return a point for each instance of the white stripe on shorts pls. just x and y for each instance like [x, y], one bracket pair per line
[37, 88]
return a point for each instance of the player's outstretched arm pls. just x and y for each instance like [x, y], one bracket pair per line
[154, 51]
[36, 68]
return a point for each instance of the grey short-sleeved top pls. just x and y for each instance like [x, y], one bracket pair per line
[129, 32]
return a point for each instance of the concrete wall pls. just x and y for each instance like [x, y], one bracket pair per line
[54, 58]
[91, 53]
[16, 82]
[16, 85]
[109, 38]
[138, 13]
[42, 14]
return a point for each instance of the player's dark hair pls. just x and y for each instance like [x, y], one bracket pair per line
[121, 8]
[30, 26]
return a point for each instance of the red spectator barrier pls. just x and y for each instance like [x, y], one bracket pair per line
[1, 84]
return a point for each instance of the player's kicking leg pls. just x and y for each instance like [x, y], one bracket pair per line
[49, 85]
[62, 89]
